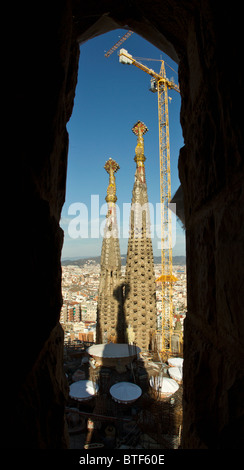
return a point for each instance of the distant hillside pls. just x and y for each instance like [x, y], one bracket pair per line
[96, 259]
[180, 260]
[80, 261]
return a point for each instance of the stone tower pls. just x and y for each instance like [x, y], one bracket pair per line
[110, 318]
[140, 289]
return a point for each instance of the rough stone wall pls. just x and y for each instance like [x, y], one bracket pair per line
[44, 59]
[211, 173]
[40, 420]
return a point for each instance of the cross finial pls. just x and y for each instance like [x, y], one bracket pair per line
[139, 129]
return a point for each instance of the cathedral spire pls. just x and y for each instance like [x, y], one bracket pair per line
[110, 320]
[140, 289]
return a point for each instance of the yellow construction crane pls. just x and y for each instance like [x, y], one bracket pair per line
[161, 85]
[112, 49]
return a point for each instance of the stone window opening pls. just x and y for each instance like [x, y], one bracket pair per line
[193, 37]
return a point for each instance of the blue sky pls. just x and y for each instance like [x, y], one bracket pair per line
[110, 99]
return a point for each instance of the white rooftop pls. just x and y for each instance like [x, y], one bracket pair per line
[175, 373]
[175, 361]
[83, 390]
[164, 385]
[125, 392]
[113, 350]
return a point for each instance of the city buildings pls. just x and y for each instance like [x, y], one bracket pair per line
[80, 286]
[80, 293]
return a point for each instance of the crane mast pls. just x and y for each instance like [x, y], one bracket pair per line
[160, 84]
[167, 277]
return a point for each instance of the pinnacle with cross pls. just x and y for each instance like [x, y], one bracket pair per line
[111, 166]
[139, 129]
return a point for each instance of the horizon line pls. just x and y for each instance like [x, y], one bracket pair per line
[96, 256]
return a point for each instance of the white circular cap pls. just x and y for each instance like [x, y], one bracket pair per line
[83, 390]
[125, 392]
